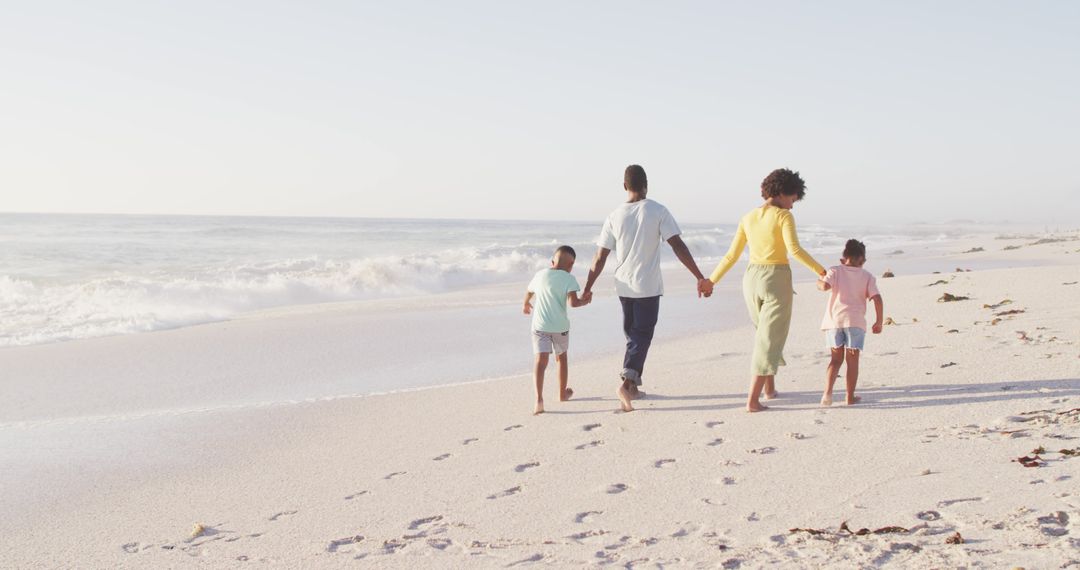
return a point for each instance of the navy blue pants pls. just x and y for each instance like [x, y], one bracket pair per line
[639, 323]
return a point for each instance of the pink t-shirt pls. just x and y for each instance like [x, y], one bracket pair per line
[850, 288]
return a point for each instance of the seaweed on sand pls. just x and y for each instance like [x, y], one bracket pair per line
[949, 298]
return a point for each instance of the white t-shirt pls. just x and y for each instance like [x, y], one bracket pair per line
[636, 231]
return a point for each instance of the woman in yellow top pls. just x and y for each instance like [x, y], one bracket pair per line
[770, 230]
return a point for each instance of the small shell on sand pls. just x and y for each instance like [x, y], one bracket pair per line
[197, 530]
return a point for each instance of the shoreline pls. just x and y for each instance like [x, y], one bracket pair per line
[431, 476]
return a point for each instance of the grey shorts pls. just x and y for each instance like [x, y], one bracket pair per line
[550, 342]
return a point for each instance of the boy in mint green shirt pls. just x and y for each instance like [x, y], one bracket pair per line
[546, 300]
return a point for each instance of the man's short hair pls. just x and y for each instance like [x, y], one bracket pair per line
[566, 249]
[783, 181]
[634, 178]
[854, 249]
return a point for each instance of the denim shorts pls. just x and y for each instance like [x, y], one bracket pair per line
[850, 337]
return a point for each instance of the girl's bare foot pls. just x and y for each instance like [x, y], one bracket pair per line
[624, 399]
[539, 409]
[854, 400]
[826, 400]
[751, 408]
[569, 393]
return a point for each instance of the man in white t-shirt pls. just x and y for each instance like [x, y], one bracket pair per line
[636, 231]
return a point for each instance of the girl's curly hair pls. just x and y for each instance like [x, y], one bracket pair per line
[783, 181]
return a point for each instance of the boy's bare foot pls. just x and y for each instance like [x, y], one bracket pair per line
[771, 395]
[636, 394]
[624, 399]
[854, 400]
[539, 409]
[751, 408]
[569, 393]
[826, 400]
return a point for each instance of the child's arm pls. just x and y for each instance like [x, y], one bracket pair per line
[575, 301]
[822, 285]
[879, 308]
[527, 309]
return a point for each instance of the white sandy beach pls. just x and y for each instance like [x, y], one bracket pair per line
[111, 474]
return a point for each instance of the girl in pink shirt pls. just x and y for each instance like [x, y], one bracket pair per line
[845, 316]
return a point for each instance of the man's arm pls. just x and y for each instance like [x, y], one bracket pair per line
[704, 286]
[594, 271]
[527, 309]
[879, 308]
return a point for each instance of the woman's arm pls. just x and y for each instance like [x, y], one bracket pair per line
[738, 244]
[791, 240]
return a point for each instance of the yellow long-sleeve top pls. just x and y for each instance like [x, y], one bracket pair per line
[771, 233]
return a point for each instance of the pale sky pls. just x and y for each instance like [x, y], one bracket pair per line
[899, 112]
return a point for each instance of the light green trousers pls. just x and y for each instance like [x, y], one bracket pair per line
[768, 293]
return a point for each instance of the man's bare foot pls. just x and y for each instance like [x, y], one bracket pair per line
[569, 393]
[826, 400]
[539, 409]
[771, 395]
[751, 408]
[854, 400]
[624, 399]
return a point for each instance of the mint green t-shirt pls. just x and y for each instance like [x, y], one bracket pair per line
[550, 288]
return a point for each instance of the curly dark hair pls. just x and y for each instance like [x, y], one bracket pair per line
[854, 249]
[783, 181]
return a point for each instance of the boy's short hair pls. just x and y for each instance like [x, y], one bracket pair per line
[566, 249]
[634, 178]
[783, 181]
[854, 249]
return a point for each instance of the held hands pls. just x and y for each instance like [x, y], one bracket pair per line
[704, 288]
[527, 309]
[586, 297]
[877, 327]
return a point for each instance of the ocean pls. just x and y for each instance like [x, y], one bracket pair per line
[65, 277]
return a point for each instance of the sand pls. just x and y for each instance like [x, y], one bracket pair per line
[466, 476]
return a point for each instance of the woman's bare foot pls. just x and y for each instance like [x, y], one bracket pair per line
[539, 409]
[569, 393]
[751, 408]
[854, 400]
[826, 400]
[624, 399]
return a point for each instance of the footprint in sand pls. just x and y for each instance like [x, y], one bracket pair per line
[355, 495]
[796, 435]
[662, 462]
[928, 516]
[715, 442]
[762, 450]
[394, 474]
[616, 488]
[596, 443]
[590, 427]
[470, 440]
[441, 457]
[526, 466]
[728, 480]
[342, 544]
[513, 427]
[282, 514]
[586, 516]
[506, 493]
[416, 524]
[439, 543]
[711, 425]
